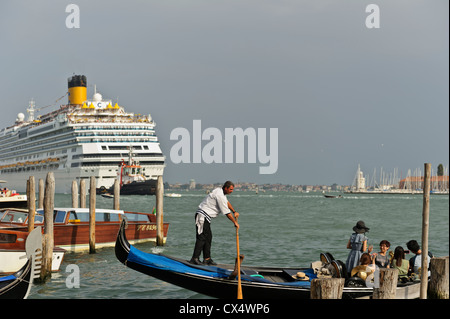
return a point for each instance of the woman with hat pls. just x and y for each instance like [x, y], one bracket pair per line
[358, 245]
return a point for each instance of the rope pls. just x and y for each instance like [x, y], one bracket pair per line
[59, 99]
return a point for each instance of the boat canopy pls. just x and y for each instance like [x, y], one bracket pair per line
[86, 210]
[20, 216]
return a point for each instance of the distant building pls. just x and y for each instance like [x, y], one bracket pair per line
[360, 180]
[192, 184]
[440, 183]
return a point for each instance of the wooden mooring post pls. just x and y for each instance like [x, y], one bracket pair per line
[425, 221]
[116, 195]
[31, 198]
[92, 200]
[48, 243]
[82, 193]
[327, 288]
[159, 212]
[387, 284]
[41, 193]
[439, 281]
[74, 194]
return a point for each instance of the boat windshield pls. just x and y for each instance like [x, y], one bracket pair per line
[11, 216]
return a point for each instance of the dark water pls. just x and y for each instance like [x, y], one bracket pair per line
[277, 229]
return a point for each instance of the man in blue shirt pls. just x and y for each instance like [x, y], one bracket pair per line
[415, 263]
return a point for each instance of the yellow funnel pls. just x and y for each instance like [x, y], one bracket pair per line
[77, 89]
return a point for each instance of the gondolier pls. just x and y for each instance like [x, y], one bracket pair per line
[214, 204]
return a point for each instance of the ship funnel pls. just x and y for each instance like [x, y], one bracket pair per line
[77, 89]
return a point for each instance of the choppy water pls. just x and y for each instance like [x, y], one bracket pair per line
[277, 229]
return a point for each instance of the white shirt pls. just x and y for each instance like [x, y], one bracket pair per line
[215, 203]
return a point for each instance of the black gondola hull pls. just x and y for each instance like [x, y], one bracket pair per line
[223, 287]
[19, 284]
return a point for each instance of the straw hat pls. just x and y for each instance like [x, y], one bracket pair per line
[301, 276]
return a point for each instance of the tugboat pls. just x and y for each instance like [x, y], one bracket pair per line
[131, 179]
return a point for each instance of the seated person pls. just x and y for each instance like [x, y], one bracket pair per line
[415, 263]
[365, 269]
[382, 259]
[399, 262]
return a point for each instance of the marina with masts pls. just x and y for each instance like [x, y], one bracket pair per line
[392, 183]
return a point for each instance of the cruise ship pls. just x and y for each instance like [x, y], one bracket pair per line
[81, 139]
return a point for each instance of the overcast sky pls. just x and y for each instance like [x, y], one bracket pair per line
[339, 93]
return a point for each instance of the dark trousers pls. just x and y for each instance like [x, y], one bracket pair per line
[203, 241]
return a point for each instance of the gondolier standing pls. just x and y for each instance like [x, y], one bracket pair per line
[214, 204]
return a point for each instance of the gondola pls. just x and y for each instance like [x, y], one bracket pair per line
[213, 281]
[257, 282]
[210, 280]
[18, 285]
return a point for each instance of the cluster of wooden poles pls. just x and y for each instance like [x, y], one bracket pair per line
[46, 201]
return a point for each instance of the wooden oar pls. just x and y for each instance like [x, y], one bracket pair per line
[238, 260]
[234, 274]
